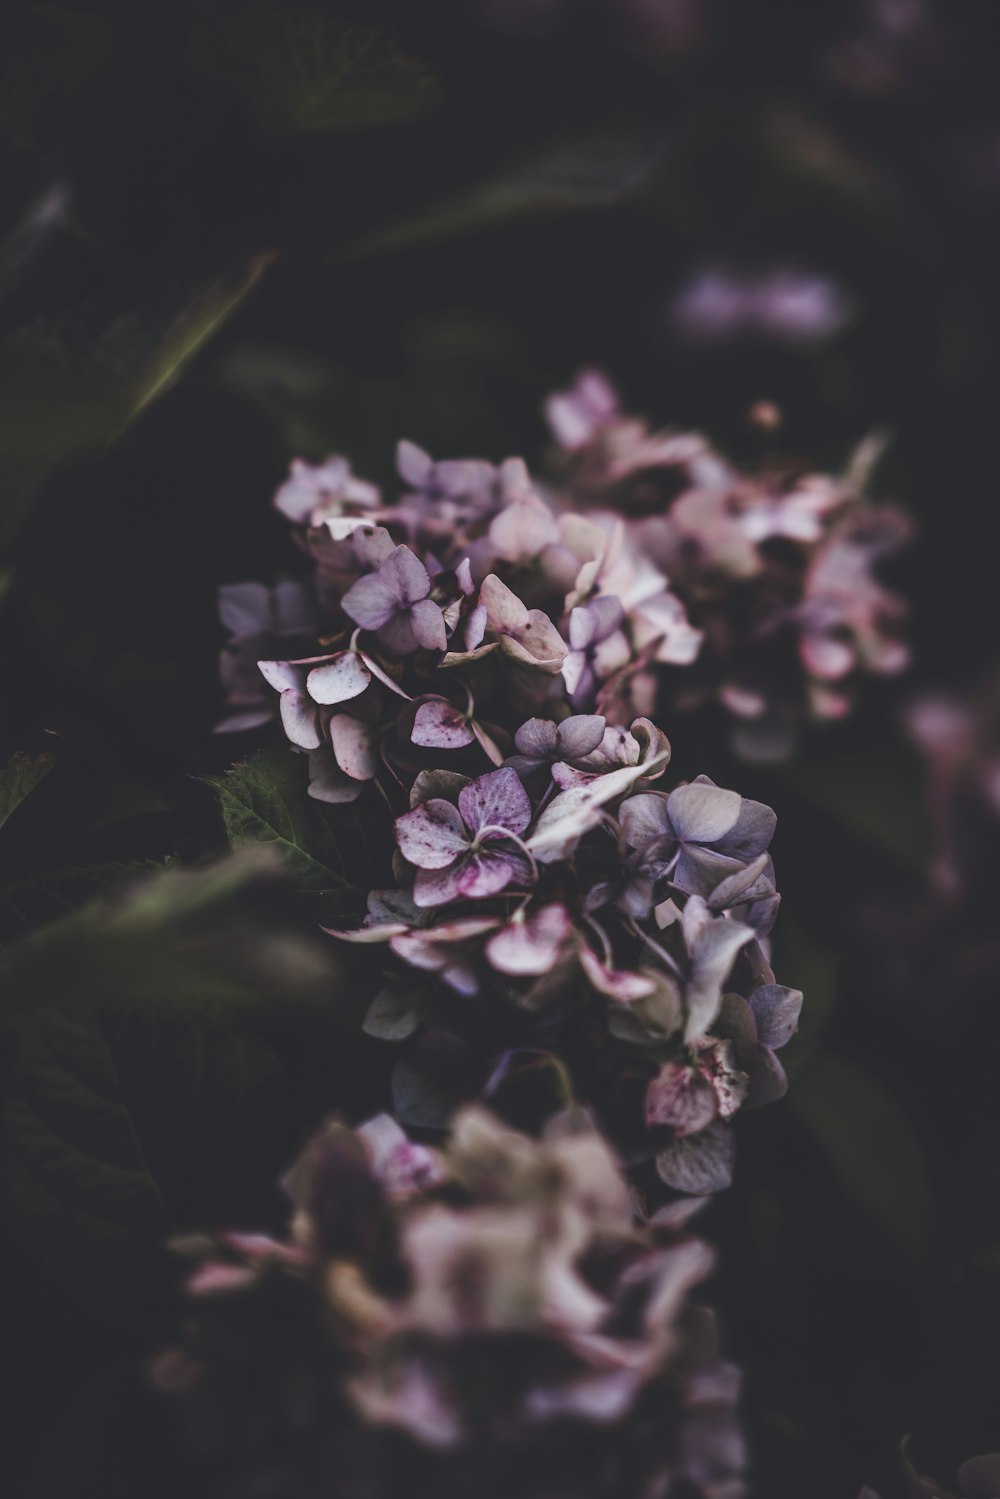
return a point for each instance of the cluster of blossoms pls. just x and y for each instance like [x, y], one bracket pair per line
[648, 577]
[563, 905]
[567, 941]
[486, 1319]
[486, 653]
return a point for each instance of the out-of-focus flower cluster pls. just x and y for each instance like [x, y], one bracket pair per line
[563, 906]
[486, 1319]
[648, 577]
[777, 569]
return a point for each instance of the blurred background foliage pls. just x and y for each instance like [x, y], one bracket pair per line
[234, 232]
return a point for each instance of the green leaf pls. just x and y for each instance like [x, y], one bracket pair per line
[599, 171]
[35, 900]
[264, 801]
[870, 1146]
[151, 996]
[19, 777]
[305, 71]
[203, 942]
[66, 393]
[79, 1194]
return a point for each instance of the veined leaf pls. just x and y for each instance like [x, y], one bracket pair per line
[19, 777]
[264, 801]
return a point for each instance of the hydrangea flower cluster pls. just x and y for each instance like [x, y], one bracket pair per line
[488, 1318]
[563, 904]
[777, 570]
[650, 576]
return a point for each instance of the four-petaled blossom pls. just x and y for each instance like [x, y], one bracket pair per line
[394, 600]
[470, 851]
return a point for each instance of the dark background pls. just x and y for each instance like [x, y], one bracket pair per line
[235, 232]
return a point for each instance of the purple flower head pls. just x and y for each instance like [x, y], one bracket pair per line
[540, 743]
[339, 770]
[300, 717]
[394, 601]
[311, 494]
[449, 949]
[710, 839]
[688, 1095]
[577, 416]
[757, 1027]
[599, 647]
[526, 635]
[531, 942]
[259, 620]
[470, 851]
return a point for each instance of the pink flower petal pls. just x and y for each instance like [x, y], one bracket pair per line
[432, 836]
[438, 725]
[496, 799]
[299, 719]
[341, 679]
[355, 746]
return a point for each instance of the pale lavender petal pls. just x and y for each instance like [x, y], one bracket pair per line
[339, 680]
[299, 719]
[616, 983]
[496, 799]
[699, 1164]
[372, 601]
[245, 608]
[406, 575]
[523, 529]
[578, 735]
[537, 738]
[327, 782]
[475, 627]
[427, 623]
[396, 635]
[239, 723]
[644, 818]
[747, 884]
[372, 545]
[714, 953]
[432, 836]
[530, 946]
[413, 464]
[582, 628]
[355, 746]
[437, 783]
[489, 871]
[702, 812]
[578, 677]
[607, 614]
[752, 832]
[438, 725]
[680, 1097]
[281, 675]
[776, 1013]
[437, 887]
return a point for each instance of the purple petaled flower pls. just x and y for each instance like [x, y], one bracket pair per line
[577, 416]
[259, 620]
[689, 1095]
[395, 602]
[540, 743]
[598, 645]
[312, 494]
[339, 770]
[470, 851]
[711, 840]
[757, 1027]
[531, 942]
